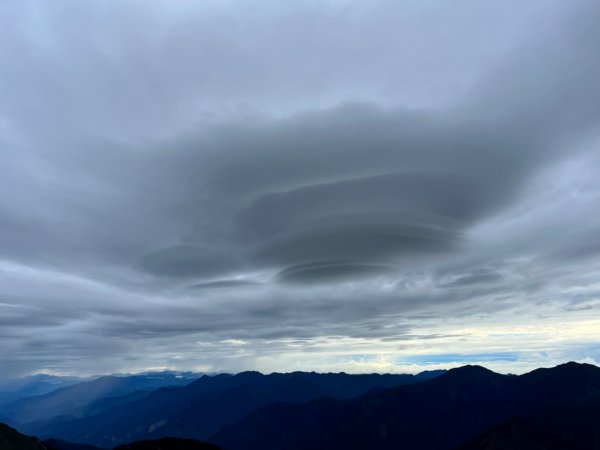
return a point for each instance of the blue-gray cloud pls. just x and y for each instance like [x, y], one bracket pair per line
[231, 182]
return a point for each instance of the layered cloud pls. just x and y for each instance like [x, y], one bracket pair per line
[232, 186]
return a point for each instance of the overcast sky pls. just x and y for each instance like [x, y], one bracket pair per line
[322, 185]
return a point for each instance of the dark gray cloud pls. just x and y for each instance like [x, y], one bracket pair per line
[229, 186]
[479, 277]
[187, 260]
[331, 270]
[217, 284]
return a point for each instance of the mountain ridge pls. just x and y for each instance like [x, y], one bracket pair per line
[439, 414]
[202, 407]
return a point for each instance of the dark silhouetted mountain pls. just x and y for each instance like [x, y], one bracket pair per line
[570, 383]
[11, 439]
[168, 444]
[57, 444]
[433, 412]
[204, 406]
[512, 434]
[562, 403]
[429, 374]
[82, 399]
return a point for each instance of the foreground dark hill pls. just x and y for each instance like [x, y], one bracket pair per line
[562, 403]
[168, 444]
[89, 397]
[158, 444]
[11, 439]
[58, 444]
[512, 434]
[204, 406]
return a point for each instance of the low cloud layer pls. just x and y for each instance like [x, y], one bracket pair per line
[274, 187]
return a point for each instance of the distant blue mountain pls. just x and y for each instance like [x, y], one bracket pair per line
[204, 406]
[12, 390]
[468, 408]
[89, 397]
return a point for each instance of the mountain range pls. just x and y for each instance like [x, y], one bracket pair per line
[468, 408]
[202, 407]
[15, 389]
[444, 413]
[89, 397]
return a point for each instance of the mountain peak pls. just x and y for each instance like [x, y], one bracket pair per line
[573, 365]
[570, 368]
[468, 371]
[471, 368]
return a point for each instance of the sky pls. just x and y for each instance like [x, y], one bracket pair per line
[332, 185]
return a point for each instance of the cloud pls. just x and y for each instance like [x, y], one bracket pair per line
[296, 177]
[186, 260]
[218, 284]
[330, 271]
[479, 277]
[462, 358]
